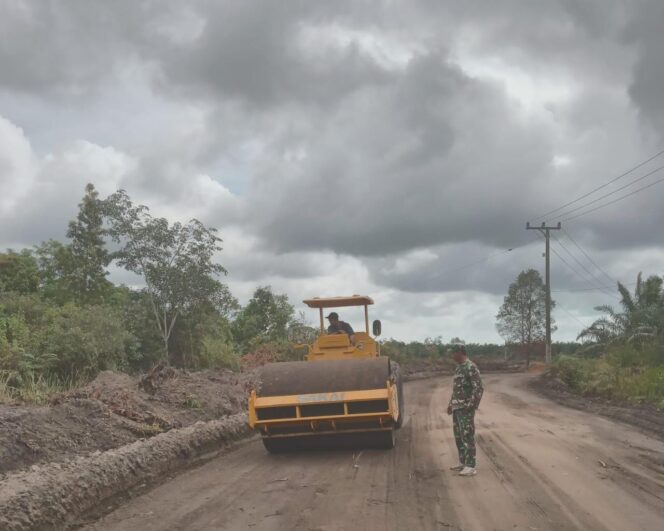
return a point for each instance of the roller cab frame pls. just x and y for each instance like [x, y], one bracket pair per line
[344, 393]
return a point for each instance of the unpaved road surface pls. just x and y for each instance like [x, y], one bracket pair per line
[541, 467]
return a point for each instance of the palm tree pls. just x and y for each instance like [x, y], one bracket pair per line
[640, 318]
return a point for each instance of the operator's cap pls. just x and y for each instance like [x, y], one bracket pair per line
[332, 315]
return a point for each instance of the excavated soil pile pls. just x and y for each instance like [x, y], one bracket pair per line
[116, 409]
[51, 495]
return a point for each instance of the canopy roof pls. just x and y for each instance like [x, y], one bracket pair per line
[338, 302]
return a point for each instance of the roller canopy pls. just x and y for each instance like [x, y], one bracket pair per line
[338, 302]
[326, 376]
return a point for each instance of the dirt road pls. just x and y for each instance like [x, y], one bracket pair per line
[541, 467]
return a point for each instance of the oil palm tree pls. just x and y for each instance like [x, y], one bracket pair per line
[640, 319]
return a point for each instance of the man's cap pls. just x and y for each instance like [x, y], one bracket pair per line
[332, 315]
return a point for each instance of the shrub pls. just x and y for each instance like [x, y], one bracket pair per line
[217, 353]
[83, 341]
[570, 370]
[192, 402]
[610, 378]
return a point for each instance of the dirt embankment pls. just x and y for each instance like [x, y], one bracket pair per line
[644, 416]
[114, 410]
[51, 495]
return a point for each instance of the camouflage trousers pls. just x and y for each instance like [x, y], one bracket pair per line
[464, 435]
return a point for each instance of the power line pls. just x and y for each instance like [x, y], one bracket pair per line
[576, 290]
[612, 192]
[572, 315]
[569, 236]
[592, 276]
[625, 174]
[481, 261]
[562, 259]
[615, 200]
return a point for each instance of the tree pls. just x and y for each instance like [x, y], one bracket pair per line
[19, 272]
[54, 260]
[522, 317]
[81, 341]
[175, 261]
[200, 325]
[640, 319]
[265, 318]
[77, 271]
[86, 274]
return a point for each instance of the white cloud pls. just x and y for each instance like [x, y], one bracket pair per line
[344, 147]
[18, 165]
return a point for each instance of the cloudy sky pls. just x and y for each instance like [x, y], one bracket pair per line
[381, 147]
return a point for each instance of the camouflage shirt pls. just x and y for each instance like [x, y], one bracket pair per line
[467, 389]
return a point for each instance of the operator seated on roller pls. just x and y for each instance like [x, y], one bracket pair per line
[340, 327]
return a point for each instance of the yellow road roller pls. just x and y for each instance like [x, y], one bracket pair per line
[344, 394]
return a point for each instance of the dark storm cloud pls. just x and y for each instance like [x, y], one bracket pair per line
[435, 157]
[66, 48]
[367, 133]
[252, 52]
[648, 85]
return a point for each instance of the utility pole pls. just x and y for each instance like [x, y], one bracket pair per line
[544, 229]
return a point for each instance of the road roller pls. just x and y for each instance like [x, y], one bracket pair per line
[343, 395]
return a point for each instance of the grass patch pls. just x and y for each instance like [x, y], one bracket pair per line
[31, 388]
[192, 402]
[150, 430]
[608, 378]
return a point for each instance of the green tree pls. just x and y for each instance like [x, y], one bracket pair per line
[522, 316]
[138, 319]
[265, 318]
[54, 261]
[85, 276]
[81, 341]
[640, 320]
[176, 261]
[19, 272]
[77, 271]
[198, 325]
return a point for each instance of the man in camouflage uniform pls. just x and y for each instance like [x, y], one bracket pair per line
[467, 392]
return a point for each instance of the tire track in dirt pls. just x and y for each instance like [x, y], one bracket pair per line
[399, 489]
[544, 500]
[537, 462]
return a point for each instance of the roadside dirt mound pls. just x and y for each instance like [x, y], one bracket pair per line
[644, 416]
[114, 410]
[50, 495]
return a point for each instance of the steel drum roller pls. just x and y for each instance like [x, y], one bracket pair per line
[324, 376]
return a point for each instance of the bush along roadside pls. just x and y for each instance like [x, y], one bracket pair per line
[608, 377]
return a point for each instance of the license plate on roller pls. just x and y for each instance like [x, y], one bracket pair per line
[321, 397]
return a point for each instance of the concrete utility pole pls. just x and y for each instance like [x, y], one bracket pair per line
[545, 231]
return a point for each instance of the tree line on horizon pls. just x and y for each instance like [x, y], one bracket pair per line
[62, 320]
